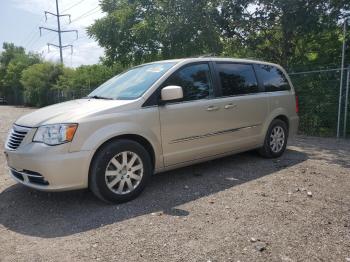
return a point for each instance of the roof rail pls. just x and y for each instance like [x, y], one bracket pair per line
[207, 55]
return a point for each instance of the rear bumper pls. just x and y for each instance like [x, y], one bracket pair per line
[49, 168]
[293, 126]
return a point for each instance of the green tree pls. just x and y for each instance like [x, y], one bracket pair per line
[79, 82]
[288, 32]
[144, 30]
[90, 77]
[38, 80]
[13, 60]
[9, 53]
[11, 82]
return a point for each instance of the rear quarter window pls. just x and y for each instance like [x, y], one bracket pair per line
[272, 78]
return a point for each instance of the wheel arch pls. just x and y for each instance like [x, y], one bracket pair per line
[283, 118]
[145, 143]
[278, 113]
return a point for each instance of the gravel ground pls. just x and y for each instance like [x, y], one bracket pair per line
[238, 208]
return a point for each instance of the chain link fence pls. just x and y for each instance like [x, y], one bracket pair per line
[58, 96]
[318, 93]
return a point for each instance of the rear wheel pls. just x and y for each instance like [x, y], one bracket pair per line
[276, 140]
[119, 171]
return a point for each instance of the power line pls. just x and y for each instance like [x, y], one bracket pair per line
[316, 71]
[84, 37]
[86, 14]
[74, 5]
[26, 40]
[31, 40]
[35, 41]
[31, 36]
[58, 31]
[38, 44]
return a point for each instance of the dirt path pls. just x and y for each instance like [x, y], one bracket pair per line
[239, 208]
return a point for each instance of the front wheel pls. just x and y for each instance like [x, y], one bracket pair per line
[276, 140]
[119, 171]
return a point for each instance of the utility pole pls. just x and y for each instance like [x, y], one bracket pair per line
[58, 31]
[346, 101]
[342, 75]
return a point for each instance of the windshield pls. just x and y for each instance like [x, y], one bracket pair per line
[132, 83]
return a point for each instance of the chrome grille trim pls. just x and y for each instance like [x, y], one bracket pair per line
[16, 136]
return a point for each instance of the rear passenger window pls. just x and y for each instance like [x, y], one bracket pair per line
[237, 79]
[194, 80]
[272, 78]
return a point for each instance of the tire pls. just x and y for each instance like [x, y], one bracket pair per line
[270, 148]
[110, 174]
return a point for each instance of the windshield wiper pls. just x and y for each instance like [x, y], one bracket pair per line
[100, 97]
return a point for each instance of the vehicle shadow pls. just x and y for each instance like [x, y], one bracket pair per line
[49, 215]
[331, 150]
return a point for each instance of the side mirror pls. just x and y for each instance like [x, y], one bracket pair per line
[171, 93]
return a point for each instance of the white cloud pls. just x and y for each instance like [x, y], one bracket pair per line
[83, 13]
[39, 6]
[85, 53]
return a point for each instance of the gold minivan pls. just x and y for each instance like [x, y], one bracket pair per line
[152, 118]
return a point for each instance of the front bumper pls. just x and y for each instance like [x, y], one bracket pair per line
[49, 168]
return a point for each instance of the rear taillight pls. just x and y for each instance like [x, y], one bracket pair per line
[296, 104]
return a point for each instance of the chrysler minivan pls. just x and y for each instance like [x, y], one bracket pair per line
[152, 118]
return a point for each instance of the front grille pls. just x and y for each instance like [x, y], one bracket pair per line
[16, 136]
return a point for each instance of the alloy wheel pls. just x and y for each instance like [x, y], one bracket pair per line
[124, 173]
[277, 139]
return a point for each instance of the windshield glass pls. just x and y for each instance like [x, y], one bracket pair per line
[132, 83]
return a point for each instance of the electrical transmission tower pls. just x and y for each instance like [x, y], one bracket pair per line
[59, 31]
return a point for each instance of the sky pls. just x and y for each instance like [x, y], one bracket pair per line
[20, 21]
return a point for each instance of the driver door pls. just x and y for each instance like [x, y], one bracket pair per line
[186, 125]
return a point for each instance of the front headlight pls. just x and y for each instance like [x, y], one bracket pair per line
[55, 134]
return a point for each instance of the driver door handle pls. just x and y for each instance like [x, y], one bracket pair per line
[212, 108]
[230, 106]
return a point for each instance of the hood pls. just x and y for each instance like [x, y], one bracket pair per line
[69, 112]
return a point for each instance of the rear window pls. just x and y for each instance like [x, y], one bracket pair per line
[237, 79]
[272, 78]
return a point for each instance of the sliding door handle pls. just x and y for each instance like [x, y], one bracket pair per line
[230, 106]
[212, 108]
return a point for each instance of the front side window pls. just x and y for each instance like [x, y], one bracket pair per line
[237, 79]
[272, 78]
[195, 81]
[132, 83]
